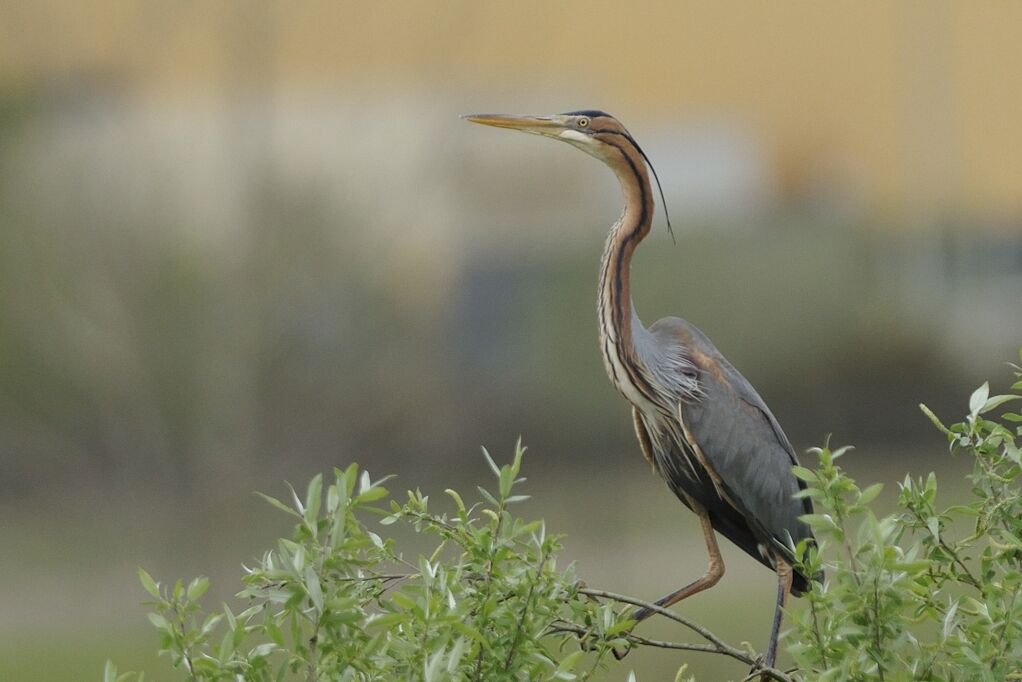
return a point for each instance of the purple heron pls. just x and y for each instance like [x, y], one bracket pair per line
[701, 425]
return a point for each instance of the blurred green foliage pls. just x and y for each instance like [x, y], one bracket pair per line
[930, 592]
[907, 596]
[338, 602]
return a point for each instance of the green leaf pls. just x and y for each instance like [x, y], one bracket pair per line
[949, 620]
[339, 521]
[568, 664]
[197, 588]
[210, 623]
[840, 452]
[978, 399]
[963, 509]
[372, 495]
[870, 494]
[997, 401]
[150, 585]
[313, 496]
[350, 477]
[313, 588]
[493, 465]
[226, 650]
[279, 505]
[297, 502]
[232, 622]
[432, 666]
[275, 633]
[159, 622]
[457, 651]
[620, 626]
[807, 475]
[507, 478]
[516, 464]
[819, 520]
[487, 496]
[109, 672]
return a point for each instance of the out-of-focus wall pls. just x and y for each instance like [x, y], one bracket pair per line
[915, 103]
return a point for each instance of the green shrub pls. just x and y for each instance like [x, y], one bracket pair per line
[930, 592]
[338, 602]
[925, 593]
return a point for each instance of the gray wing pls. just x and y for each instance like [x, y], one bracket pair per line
[748, 456]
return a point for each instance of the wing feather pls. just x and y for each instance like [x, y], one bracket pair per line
[745, 453]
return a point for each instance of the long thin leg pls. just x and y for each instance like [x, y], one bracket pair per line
[713, 572]
[784, 577]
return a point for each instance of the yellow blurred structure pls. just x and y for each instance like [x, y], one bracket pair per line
[915, 104]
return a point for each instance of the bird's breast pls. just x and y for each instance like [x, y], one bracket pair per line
[620, 370]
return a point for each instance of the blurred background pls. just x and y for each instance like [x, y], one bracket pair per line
[243, 242]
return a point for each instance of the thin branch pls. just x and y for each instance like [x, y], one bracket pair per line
[694, 627]
[819, 635]
[488, 581]
[1008, 620]
[716, 645]
[725, 650]
[876, 627]
[961, 564]
[520, 624]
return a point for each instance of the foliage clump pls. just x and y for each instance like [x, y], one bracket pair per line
[926, 593]
[336, 601]
[931, 591]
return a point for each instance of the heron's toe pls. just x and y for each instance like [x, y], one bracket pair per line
[756, 671]
[641, 614]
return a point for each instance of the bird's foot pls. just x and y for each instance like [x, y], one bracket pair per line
[585, 643]
[638, 615]
[757, 670]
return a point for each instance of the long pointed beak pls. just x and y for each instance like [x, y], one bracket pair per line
[539, 125]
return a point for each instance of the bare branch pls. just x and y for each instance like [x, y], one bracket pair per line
[716, 645]
[695, 627]
[726, 650]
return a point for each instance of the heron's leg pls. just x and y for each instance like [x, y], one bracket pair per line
[713, 572]
[784, 578]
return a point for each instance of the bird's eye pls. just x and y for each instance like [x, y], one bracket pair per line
[583, 122]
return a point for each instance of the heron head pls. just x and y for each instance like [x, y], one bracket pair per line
[587, 130]
[595, 132]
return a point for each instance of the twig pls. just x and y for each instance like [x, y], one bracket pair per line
[961, 564]
[695, 627]
[716, 645]
[876, 627]
[488, 580]
[819, 635]
[520, 625]
[724, 650]
[1008, 620]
